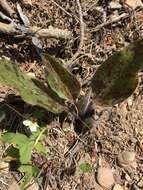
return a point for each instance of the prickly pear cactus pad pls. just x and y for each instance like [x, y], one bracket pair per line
[117, 78]
[32, 91]
[61, 81]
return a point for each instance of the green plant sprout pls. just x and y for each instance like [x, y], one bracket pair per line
[85, 168]
[20, 149]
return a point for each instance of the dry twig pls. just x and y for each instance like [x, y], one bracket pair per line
[69, 14]
[122, 16]
[82, 28]
[51, 32]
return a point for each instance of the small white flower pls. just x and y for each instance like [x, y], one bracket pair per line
[33, 127]
[31, 124]
[27, 122]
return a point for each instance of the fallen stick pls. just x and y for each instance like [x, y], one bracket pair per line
[82, 31]
[51, 32]
[122, 16]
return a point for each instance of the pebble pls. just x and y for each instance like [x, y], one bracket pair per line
[118, 187]
[141, 132]
[129, 102]
[105, 177]
[133, 140]
[126, 158]
[115, 5]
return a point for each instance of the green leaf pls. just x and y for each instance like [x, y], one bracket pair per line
[29, 169]
[61, 81]
[117, 78]
[26, 152]
[24, 144]
[31, 90]
[30, 172]
[15, 138]
[11, 153]
[85, 168]
[41, 148]
[38, 114]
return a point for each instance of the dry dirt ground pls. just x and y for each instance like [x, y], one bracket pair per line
[112, 130]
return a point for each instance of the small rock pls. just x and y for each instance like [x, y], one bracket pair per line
[105, 177]
[134, 3]
[118, 187]
[126, 158]
[130, 101]
[115, 5]
[141, 132]
[31, 75]
[133, 140]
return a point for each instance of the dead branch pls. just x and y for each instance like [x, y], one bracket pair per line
[122, 16]
[51, 32]
[82, 28]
